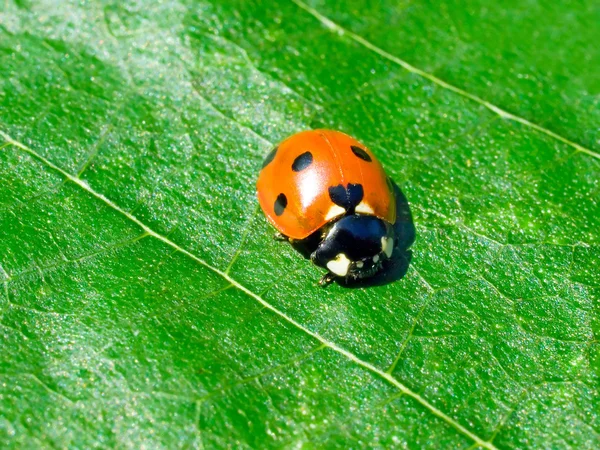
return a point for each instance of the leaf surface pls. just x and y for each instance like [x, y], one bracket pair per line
[144, 301]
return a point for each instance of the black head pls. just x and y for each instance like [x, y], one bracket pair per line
[355, 246]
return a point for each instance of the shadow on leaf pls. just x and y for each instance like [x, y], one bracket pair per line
[397, 266]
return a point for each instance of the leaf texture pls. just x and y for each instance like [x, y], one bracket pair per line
[144, 303]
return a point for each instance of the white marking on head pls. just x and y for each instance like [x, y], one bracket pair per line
[364, 208]
[334, 211]
[339, 265]
[360, 264]
[387, 246]
[376, 258]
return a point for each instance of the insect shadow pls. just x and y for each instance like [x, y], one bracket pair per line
[394, 268]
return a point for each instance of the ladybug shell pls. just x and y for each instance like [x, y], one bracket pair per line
[316, 176]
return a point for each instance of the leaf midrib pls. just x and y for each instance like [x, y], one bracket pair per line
[347, 354]
[336, 28]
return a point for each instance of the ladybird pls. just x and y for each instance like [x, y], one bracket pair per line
[327, 193]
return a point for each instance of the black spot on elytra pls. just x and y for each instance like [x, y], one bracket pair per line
[360, 153]
[280, 204]
[348, 197]
[269, 157]
[302, 161]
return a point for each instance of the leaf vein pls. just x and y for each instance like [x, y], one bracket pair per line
[410, 333]
[223, 115]
[334, 27]
[245, 234]
[342, 351]
[256, 377]
[65, 262]
[48, 388]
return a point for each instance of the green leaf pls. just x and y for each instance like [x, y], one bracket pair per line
[144, 301]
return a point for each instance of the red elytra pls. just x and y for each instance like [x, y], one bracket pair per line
[303, 179]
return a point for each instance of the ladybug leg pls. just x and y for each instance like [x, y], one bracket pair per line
[326, 279]
[280, 237]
